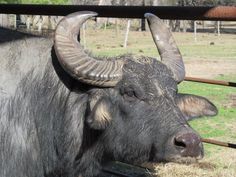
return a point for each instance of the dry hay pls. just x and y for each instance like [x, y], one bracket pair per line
[222, 164]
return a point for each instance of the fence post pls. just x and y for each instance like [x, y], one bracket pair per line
[126, 34]
[195, 31]
[218, 28]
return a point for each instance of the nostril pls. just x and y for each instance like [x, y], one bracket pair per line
[179, 144]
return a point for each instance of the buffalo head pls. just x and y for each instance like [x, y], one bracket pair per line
[135, 105]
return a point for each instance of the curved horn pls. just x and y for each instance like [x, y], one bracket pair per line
[167, 48]
[70, 54]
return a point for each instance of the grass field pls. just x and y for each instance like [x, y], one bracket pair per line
[210, 53]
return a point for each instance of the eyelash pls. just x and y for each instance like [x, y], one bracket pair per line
[129, 98]
[128, 95]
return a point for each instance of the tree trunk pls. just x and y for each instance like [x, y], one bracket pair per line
[184, 24]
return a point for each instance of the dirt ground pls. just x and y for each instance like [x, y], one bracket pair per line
[210, 69]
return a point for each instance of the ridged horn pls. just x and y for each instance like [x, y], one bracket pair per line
[167, 48]
[70, 54]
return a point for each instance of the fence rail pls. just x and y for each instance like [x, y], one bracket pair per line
[210, 81]
[215, 13]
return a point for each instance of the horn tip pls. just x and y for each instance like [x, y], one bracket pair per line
[147, 15]
[88, 13]
[151, 17]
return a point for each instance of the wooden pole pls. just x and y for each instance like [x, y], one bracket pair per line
[219, 143]
[210, 81]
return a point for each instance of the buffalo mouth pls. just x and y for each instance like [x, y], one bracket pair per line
[175, 159]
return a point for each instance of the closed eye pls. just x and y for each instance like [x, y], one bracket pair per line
[132, 93]
[129, 95]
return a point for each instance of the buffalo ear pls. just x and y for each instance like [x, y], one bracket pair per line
[193, 106]
[100, 114]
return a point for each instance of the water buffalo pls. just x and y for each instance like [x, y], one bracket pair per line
[64, 113]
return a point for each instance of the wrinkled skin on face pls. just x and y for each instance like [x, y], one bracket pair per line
[148, 105]
[139, 119]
